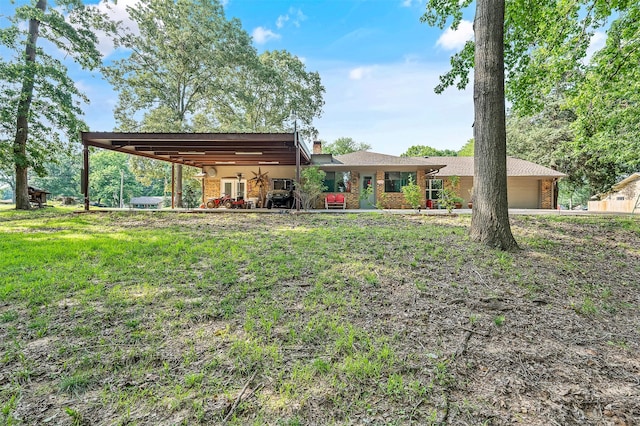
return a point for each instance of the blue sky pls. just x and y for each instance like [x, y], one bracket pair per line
[378, 64]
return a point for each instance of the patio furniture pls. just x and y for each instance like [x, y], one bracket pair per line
[335, 201]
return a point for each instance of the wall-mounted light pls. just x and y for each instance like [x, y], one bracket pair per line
[268, 162]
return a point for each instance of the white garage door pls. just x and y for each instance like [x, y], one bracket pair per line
[523, 193]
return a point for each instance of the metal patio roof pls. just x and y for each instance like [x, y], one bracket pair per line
[205, 149]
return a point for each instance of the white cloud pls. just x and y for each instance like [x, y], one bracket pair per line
[116, 12]
[455, 40]
[393, 106]
[262, 35]
[409, 3]
[282, 19]
[597, 42]
[360, 73]
[296, 16]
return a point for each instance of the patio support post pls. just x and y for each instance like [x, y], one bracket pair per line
[173, 184]
[296, 140]
[85, 175]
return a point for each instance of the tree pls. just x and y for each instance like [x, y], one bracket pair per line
[105, 178]
[607, 106]
[490, 217]
[541, 45]
[311, 187]
[467, 149]
[62, 176]
[344, 146]
[275, 93]
[40, 106]
[412, 193]
[185, 54]
[427, 151]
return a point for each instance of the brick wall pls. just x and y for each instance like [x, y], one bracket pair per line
[546, 194]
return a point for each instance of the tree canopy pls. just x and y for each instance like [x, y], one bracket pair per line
[587, 126]
[183, 53]
[427, 151]
[275, 94]
[344, 145]
[467, 149]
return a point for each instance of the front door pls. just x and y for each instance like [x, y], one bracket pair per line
[367, 181]
[233, 188]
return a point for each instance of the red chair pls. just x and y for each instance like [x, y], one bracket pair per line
[329, 200]
[340, 201]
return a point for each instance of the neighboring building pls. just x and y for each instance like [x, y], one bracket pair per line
[146, 202]
[529, 185]
[624, 197]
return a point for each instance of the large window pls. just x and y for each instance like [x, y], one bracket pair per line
[394, 181]
[434, 189]
[337, 182]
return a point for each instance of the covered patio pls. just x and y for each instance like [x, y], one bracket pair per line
[206, 151]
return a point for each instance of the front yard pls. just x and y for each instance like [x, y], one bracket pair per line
[164, 318]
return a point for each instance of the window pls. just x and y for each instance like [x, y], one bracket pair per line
[393, 181]
[434, 189]
[337, 181]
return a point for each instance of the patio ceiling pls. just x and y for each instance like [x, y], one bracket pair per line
[204, 149]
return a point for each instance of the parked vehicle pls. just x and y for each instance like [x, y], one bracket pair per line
[225, 201]
[281, 194]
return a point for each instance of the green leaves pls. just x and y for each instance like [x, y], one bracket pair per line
[191, 69]
[40, 108]
[344, 146]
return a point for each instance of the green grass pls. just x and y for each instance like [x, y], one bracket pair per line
[340, 317]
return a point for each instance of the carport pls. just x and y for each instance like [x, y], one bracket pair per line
[200, 150]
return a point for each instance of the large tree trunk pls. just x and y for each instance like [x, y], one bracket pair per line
[22, 121]
[490, 217]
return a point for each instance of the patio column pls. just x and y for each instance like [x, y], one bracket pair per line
[297, 143]
[85, 175]
[173, 184]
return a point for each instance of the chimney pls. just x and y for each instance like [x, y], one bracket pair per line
[317, 147]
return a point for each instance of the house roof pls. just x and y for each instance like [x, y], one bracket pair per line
[146, 200]
[624, 182]
[374, 159]
[463, 166]
[205, 149]
[449, 166]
